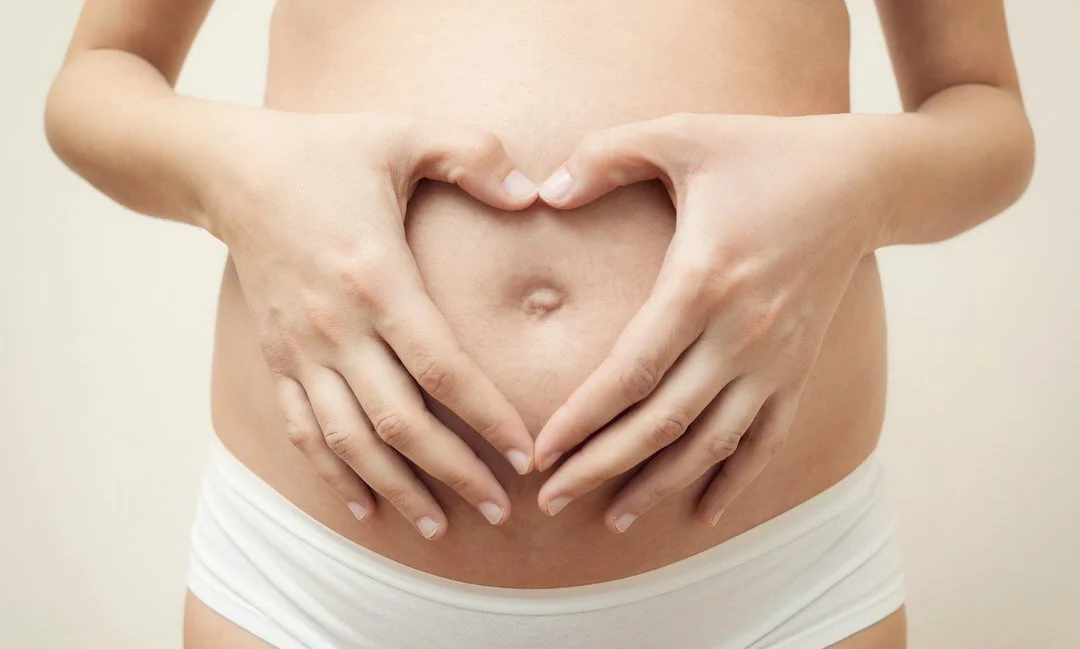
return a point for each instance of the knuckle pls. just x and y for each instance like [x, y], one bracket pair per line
[457, 480]
[774, 444]
[657, 493]
[731, 281]
[435, 377]
[695, 271]
[486, 145]
[393, 429]
[355, 271]
[594, 146]
[359, 277]
[338, 481]
[374, 260]
[698, 287]
[280, 347]
[326, 321]
[772, 315]
[703, 271]
[280, 360]
[359, 288]
[720, 445]
[667, 429]
[398, 496]
[759, 322]
[639, 378]
[298, 435]
[492, 430]
[343, 443]
[592, 480]
[319, 314]
[480, 149]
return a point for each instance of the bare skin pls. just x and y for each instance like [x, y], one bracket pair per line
[536, 293]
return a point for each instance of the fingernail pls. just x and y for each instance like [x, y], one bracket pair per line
[623, 522]
[549, 462]
[357, 510]
[557, 187]
[492, 512]
[716, 518]
[518, 186]
[427, 526]
[556, 505]
[520, 461]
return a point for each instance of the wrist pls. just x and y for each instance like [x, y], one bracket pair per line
[211, 145]
[879, 172]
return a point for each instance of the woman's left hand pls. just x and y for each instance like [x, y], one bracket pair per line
[772, 218]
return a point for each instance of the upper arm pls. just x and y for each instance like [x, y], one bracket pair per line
[159, 31]
[936, 44]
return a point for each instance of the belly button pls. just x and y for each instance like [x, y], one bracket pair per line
[540, 302]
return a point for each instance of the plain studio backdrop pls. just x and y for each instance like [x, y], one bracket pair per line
[106, 321]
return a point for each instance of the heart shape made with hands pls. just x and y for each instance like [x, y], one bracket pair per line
[709, 371]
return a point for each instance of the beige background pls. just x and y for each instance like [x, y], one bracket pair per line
[106, 324]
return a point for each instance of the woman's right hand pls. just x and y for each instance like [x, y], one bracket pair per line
[316, 231]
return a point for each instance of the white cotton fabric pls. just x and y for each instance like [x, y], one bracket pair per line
[806, 579]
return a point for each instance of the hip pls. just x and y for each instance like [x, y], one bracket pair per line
[811, 577]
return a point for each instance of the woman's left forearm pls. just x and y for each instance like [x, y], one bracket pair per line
[963, 156]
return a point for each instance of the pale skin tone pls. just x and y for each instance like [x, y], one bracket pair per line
[757, 303]
[728, 296]
[769, 230]
[331, 292]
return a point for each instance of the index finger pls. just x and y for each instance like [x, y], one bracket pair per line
[651, 343]
[429, 351]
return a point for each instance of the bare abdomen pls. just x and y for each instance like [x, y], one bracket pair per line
[538, 297]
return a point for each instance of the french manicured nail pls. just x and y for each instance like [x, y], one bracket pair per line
[557, 187]
[518, 186]
[549, 462]
[427, 526]
[623, 522]
[358, 510]
[492, 512]
[520, 461]
[556, 505]
[716, 517]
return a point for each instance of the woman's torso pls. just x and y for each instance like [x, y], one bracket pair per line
[540, 75]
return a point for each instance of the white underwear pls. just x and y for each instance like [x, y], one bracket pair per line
[806, 579]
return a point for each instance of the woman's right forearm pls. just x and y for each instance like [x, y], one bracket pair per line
[116, 121]
[312, 209]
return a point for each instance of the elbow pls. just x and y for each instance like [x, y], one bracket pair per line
[66, 114]
[1017, 159]
[56, 120]
[1023, 166]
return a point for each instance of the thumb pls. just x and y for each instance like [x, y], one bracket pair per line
[473, 159]
[618, 156]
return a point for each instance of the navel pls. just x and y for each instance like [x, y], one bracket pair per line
[543, 300]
